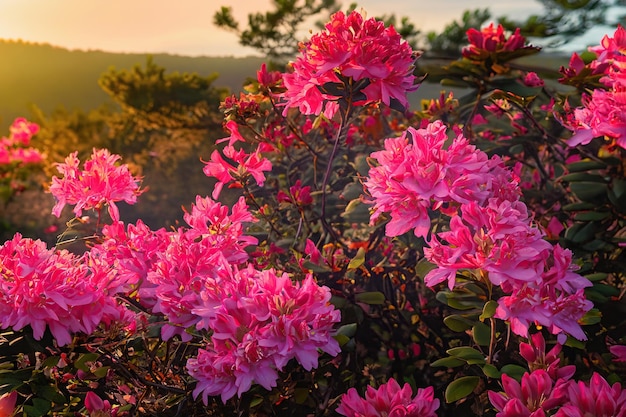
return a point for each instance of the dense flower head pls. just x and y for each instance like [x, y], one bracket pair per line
[389, 400]
[497, 239]
[534, 352]
[351, 48]
[596, 398]
[100, 182]
[416, 172]
[259, 322]
[603, 112]
[491, 39]
[14, 149]
[536, 396]
[41, 287]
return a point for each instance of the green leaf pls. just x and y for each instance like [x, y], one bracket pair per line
[457, 323]
[83, 359]
[461, 388]
[491, 371]
[579, 206]
[514, 371]
[39, 408]
[358, 260]
[585, 165]
[373, 297]
[598, 276]
[256, 401]
[465, 352]
[606, 290]
[50, 393]
[583, 176]
[348, 330]
[315, 267]
[489, 310]
[593, 316]
[448, 362]
[588, 191]
[300, 395]
[101, 371]
[590, 216]
[481, 334]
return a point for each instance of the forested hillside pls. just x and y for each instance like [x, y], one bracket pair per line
[49, 76]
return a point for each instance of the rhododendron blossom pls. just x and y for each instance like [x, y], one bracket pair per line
[261, 320]
[416, 173]
[389, 400]
[596, 398]
[490, 40]
[603, 113]
[14, 149]
[536, 396]
[42, 287]
[100, 183]
[373, 57]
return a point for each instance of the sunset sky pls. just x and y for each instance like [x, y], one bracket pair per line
[185, 26]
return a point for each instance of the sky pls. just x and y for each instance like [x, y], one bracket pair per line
[185, 27]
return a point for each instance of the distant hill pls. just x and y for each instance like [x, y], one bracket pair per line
[50, 76]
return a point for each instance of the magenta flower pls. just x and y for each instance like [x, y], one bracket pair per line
[619, 351]
[490, 40]
[536, 396]
[351, 48]
[535, 354]
[389, 400]
[41, 288]
[259, 321]
[7, 404]
[238, 171]
[14, 149]
[100, 183]
[298, 195]
[597, 398]
[416, 172]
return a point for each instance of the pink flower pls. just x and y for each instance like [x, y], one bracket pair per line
[259, 321]
[597, 398]
[22, 131]
[238, 171]
[531, 79]
[389, 400]
[415, 173]
[41, 288]
[298, 195]
[7, 404]
[490, 40]
[375, 58]
[619, 351]
[535, 397]
[535, 354]
[100, 183]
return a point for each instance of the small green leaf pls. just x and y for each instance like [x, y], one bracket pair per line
[481, 334]
[514, 371]
[491, 371]
[347, 330]
[593, 316]
[83, 359]
[583, 176]
[588, 191]
[461, 388]
[373, 297]
[448, 362]
[465, 352]
[589, 216]
[256, 401]
[101, 372]
[598, 276]
[358, 260]
[489, 310]
[585, 165]
[457, 323]
[315, 267]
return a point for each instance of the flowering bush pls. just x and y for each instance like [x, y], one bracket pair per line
[364, 245]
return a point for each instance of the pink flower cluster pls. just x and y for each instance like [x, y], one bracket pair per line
[260, 320]
[100, 183]
[416, 172]
[490, 233]
[549, 390]
[14, 149]
[389, 400]
[603, 113]
[239, 165]
[490, 40]
[352, 51]
[42, 287]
